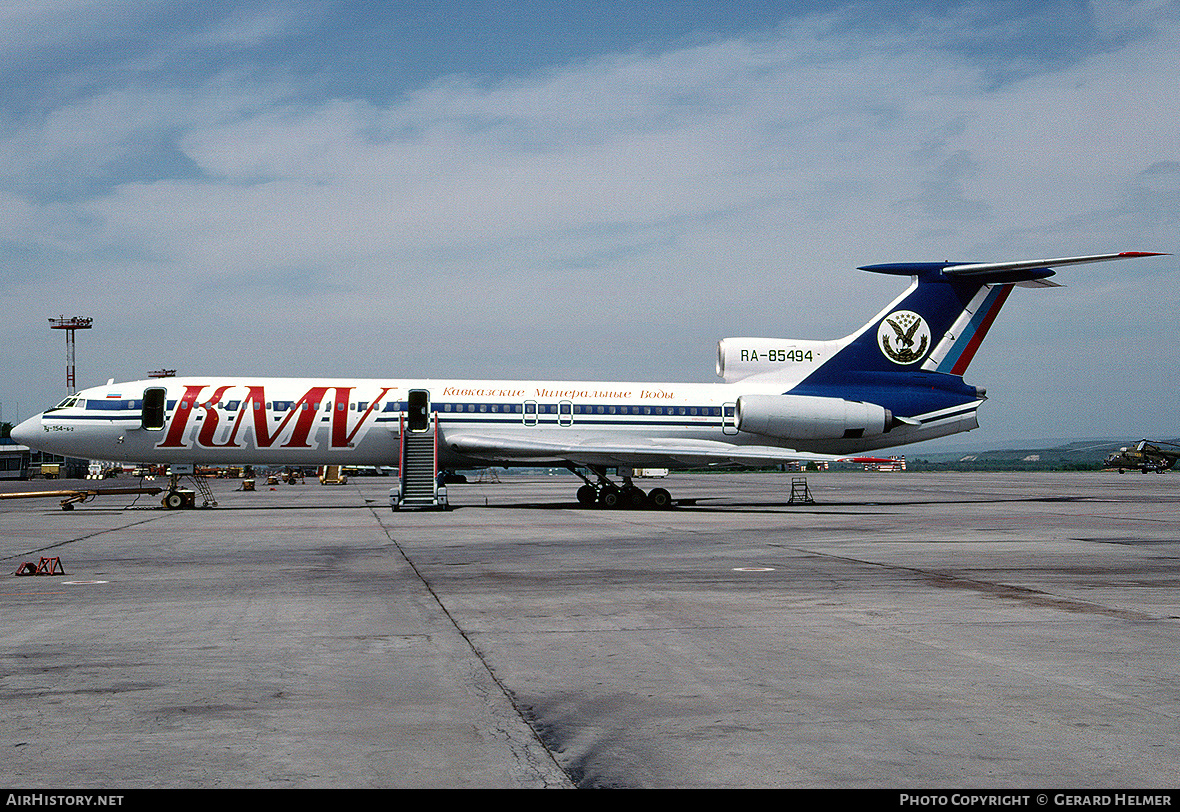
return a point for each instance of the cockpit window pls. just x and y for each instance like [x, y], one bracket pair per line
[65, 404]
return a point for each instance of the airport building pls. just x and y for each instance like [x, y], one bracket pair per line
[22, 462]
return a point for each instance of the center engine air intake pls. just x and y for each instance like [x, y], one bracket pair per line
[788, 358]
[798, 417]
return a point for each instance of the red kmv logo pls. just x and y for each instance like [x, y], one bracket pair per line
[300, 418]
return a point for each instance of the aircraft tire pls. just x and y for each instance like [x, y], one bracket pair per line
[173, 500]
[586, 496]
[610, 498]
[635, 498]
[659, 499]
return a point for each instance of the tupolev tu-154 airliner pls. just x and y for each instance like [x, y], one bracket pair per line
[896, 380]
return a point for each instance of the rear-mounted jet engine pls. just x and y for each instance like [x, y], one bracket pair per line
[798, 417]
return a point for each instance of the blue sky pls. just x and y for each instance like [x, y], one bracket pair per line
[577, 190]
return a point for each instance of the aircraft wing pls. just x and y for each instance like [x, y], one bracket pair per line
[640, 452]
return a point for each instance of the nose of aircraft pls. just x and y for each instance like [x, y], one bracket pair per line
[27, 431]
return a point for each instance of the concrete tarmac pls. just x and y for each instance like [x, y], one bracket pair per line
[906, 630]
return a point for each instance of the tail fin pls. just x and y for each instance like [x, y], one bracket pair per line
[921, 344]
[945, 315]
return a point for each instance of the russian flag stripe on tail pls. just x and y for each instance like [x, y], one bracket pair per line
[963, 339]
[996, 299]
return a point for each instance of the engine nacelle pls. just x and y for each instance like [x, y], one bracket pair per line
[739, 358]
[799, 417]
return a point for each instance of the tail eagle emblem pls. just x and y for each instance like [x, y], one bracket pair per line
[898, 333]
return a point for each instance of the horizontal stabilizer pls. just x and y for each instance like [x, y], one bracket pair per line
[1022, 271]
[983, 268]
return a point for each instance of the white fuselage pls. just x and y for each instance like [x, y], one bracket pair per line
[293, 421]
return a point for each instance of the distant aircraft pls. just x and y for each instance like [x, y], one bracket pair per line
[1145, 456]
[896, 380]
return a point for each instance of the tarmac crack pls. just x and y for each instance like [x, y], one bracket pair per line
[1024, 594]
[95, 534]
[520, 712]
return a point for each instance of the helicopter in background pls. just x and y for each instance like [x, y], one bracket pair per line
[1145, 456]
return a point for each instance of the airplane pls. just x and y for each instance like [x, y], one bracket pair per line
[1145, 456]
[896, 380]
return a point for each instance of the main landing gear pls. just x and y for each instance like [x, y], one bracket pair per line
[607, 494]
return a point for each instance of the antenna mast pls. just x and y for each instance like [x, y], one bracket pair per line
[70, 325]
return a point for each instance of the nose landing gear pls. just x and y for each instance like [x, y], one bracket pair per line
[177, 497]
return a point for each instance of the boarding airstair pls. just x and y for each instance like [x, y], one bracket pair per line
[419, 487]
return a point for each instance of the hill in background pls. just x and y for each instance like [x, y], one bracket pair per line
[1082, 455]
